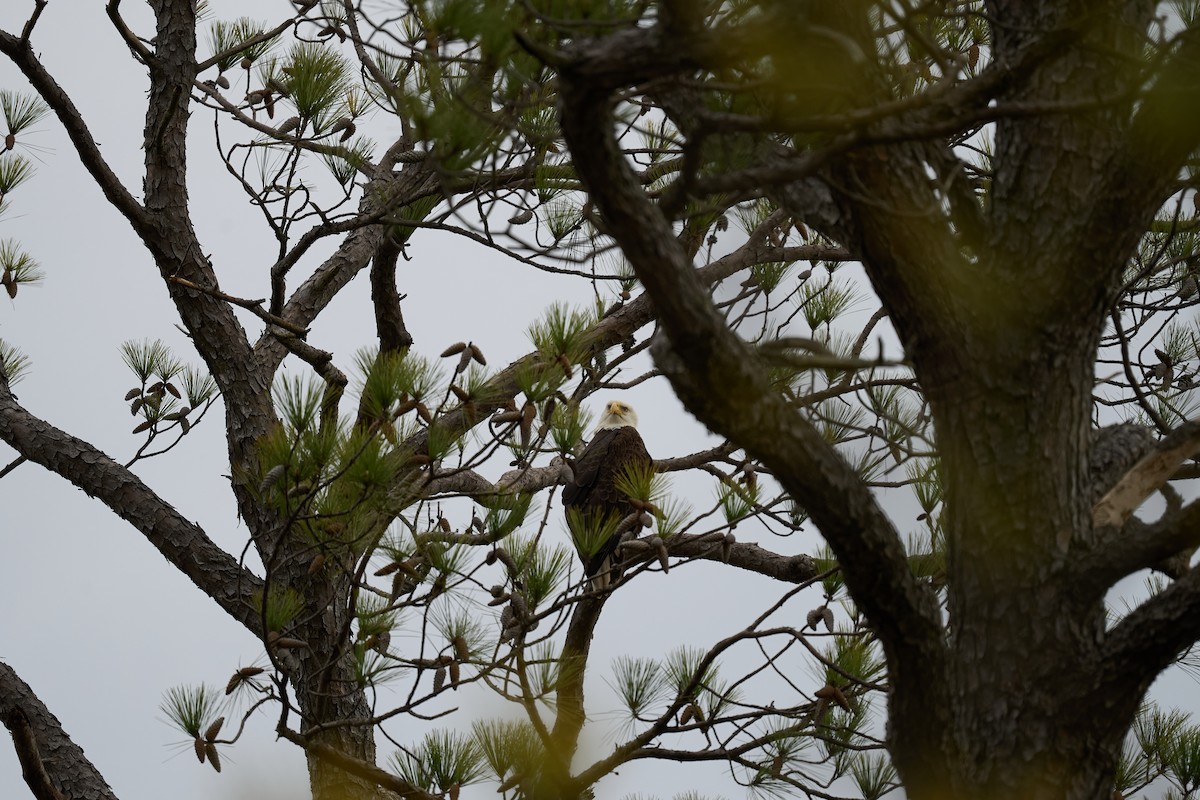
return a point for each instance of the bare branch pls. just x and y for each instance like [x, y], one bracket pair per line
[182, 542]
[254, 306]
[1152, 636]
[54, 767]
[1146, 477]
[20, 52]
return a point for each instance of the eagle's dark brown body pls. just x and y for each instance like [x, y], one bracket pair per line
[594, 493]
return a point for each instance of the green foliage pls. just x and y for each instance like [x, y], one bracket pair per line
[751, 214]
[538, 380]
[927, 550]
[15, 363]
[1183, 759]
[191, 708]
[198, 386]
[333, 12]
[737, 501]
[509, 746]
[392, 378]
[505, 514]
[840, 738]
[825, 562]
[639, 683]
[858, 656]
[226, 39]
[1177, 341]
[873, 774]
[770, 275]
[551, 180]
[451, 100]
[298, 400]
[640, 482]
[489, 25]
[371, 668]
[892, 404]
[14, 170]
[464, 624]
[442, 441]
[1130, 770]
[870, 466]
[539, 125]
[561, 218]
[375, 616]
[397, 545]
[318, 77]
[838, 421]
[562, 332]
[1161, 745]
[147, 358]
[661, 137]
[682, 669]
[544, 671]
[348, 160]
[1187, 10]
[568, 424]
[779, 757]
[396, 69]
[591, 532]
[542, 567]
[478, 385]
[447, 559]
[442, 759]
[1155, 730]
[456, 131]
[21, 111]
[926, 482]
[823, 304]
[327, 467]
[673, 514]
[283, 605]
[363, 463]
[156, 397]
[925, 559]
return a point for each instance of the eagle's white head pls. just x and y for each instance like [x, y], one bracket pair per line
[617, 415]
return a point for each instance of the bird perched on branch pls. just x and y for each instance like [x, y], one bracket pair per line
[597, 500]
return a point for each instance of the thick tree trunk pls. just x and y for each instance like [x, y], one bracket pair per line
[1011, 399]
[1023, 644]
[329, 694]
[345, 702]
[1002, 318]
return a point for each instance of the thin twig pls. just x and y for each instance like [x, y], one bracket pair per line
[254, 306]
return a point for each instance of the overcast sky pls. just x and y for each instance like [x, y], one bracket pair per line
[94, 619]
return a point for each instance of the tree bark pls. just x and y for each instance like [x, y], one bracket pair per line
[54, 767]
[1002, 319]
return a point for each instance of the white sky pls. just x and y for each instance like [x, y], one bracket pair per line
[94, 619]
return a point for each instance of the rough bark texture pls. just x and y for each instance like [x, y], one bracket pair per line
[1017, 696]
[54, 767]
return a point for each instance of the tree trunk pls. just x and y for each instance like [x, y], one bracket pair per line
[329, 693]
[1011, 397]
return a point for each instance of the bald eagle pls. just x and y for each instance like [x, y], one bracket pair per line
[594, 503]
